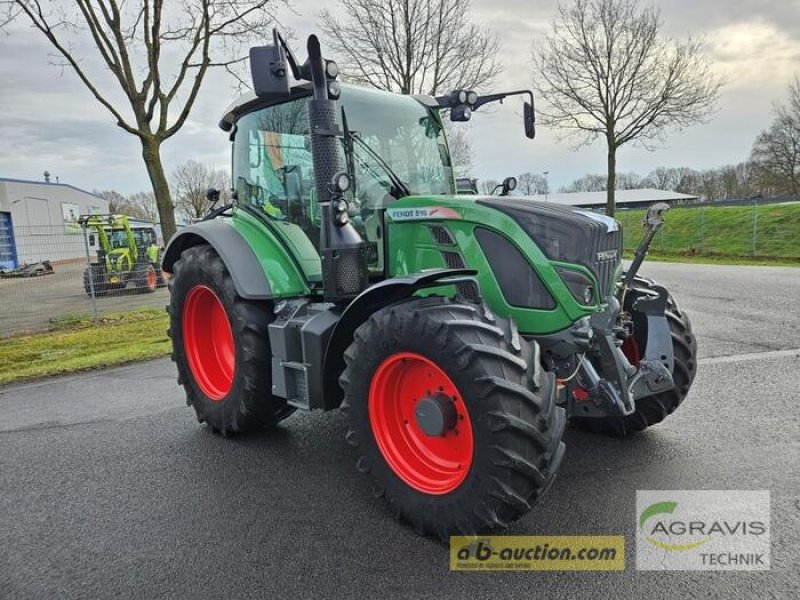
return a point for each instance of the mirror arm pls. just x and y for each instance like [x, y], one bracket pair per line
[299, 72]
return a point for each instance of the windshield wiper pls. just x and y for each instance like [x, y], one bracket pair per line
[353, 136]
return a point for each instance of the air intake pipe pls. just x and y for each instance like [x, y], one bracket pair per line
[344, 256]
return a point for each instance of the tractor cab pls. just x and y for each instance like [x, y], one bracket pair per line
[393, 146]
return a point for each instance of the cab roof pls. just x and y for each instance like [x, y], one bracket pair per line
[250, 102]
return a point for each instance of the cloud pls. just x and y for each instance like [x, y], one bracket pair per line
[754, 55]
[50, 121]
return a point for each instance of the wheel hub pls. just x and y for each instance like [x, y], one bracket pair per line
[436, 414]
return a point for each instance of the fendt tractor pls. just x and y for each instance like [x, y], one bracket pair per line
[460, 333]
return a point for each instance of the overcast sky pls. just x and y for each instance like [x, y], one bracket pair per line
[49, 121]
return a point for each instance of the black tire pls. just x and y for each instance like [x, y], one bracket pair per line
[654, 409]
[99, 280]
[249, 404]
[510, 399]
[145, 278]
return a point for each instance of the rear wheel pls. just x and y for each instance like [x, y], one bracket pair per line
[221, 346]
[653, 409]
[452, 415]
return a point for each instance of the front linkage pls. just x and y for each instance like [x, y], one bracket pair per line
[600, 378]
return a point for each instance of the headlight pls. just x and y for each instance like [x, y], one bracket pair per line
[579, 285]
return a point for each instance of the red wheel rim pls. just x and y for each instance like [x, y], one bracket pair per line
[208, 341]
[152, 281]
[429, 464]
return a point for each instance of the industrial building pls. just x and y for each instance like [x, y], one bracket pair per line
[624, 198]
[39, 221]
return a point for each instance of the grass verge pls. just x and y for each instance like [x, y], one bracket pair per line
[75, 344]
[721, 234]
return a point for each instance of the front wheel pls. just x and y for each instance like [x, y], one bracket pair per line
[221, 346]
[452, 415]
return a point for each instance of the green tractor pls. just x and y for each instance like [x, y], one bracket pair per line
[126, 254]
[460, 333]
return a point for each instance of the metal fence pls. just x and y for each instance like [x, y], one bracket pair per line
[43, 281]
[757, 229]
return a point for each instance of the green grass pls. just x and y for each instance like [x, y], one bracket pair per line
[75, 344]
[728, 234]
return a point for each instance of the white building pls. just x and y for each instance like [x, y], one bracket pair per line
[623, 198]
[39, 221]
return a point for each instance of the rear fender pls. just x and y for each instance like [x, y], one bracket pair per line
[259, 265]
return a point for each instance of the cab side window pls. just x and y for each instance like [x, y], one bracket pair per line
[273, 166]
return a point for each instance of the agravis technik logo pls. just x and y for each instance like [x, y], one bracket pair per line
[702, 530]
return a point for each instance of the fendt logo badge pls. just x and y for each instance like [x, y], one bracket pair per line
[424, 212]
[607, 255]
[702, 530]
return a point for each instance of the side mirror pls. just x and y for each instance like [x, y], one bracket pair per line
[530, 120]
[509, 185]
[212, 195]
[269, 71]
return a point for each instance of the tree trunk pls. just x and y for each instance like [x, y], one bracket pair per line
[151, 151]
[611, 182]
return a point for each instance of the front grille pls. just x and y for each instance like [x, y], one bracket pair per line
[604, 265]
[453, 260]
[441, 235]
[467, 289]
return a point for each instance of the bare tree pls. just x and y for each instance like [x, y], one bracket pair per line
[487, 186]
[461, 154]
[190, 183]
[114, 198]
[587, 183]
[532, 184]
[776, 151]
[415, 47]
[155, 56]
[605, 71]
[630, 181]
[412, 46]
[141, 205]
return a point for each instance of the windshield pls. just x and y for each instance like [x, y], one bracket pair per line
[405, 135]
[272, 161]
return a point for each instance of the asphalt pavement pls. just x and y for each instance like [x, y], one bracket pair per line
[109, 488]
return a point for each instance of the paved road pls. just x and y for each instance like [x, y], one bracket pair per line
[109, 488]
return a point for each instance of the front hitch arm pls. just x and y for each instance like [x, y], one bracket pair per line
[653, 221]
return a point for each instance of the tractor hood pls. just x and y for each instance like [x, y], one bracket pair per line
[567, 234]
[564, 234]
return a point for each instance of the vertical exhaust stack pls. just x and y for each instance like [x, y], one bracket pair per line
[344, 256]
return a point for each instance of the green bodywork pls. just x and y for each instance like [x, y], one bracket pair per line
[413, 249]
[293, 267]
[277, 214]
[291, 263]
